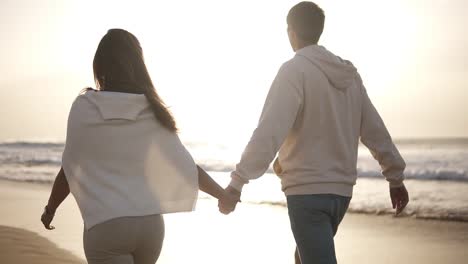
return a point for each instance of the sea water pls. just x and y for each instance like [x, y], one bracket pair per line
[436, 175]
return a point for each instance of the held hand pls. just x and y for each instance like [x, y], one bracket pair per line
[228, 203]
[399, 197]
[47, 218]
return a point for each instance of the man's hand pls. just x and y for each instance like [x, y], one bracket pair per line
[399, 197]
[228, 203]
[277, 167]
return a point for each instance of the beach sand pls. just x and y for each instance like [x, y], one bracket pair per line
[23, 246]
[253, 234]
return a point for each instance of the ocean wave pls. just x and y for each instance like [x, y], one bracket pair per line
[41, 162]
[440, 174]
[443, 215]
[357, 208]
[28, 175]
[31, 144]
[44, 180]
[19, 161]
[440, 164]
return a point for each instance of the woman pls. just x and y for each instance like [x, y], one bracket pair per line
[123, 161]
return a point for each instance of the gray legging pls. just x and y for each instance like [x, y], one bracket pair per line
[125, 240]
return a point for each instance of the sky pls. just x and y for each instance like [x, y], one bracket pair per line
[213, 61]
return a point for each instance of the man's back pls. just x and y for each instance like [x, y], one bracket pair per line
[319, 154]
[315, 113]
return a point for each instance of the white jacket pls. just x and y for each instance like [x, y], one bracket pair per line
[120, 161]
[316, 111]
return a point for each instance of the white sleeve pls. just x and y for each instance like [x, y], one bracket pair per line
[375, 136]
[278, 116]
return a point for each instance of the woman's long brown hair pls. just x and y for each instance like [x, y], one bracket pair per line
[119, 66]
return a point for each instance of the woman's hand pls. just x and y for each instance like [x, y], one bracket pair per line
[46, 218]
[229, 200]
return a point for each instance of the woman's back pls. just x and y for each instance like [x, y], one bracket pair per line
[120, 161]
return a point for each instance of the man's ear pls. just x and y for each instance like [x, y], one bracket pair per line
[292, 38]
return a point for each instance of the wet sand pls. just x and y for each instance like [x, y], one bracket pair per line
[252, 234]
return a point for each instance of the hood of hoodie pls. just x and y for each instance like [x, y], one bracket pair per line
[115, 105]
[340, 73]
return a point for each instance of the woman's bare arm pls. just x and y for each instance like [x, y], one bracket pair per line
[59, 192]
[208, 185]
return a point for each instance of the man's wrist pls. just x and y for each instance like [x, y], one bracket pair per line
[396, 184]
[236, 184]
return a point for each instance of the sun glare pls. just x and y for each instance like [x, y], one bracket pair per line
[213, 61]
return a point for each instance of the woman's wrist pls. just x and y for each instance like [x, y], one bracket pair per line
[49, 210]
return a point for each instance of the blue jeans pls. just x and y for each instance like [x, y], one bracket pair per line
[314, 222]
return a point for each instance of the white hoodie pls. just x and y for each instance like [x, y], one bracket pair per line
[316, 111]
[120, 161]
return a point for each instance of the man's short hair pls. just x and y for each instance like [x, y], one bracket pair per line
[307, 20]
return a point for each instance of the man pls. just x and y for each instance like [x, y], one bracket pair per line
[316, 111]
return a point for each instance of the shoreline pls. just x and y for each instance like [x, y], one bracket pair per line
[370, 197]
[252, 234]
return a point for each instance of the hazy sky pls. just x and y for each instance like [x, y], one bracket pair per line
[213, 61]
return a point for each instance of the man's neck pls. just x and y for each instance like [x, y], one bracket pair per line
[303, 45]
